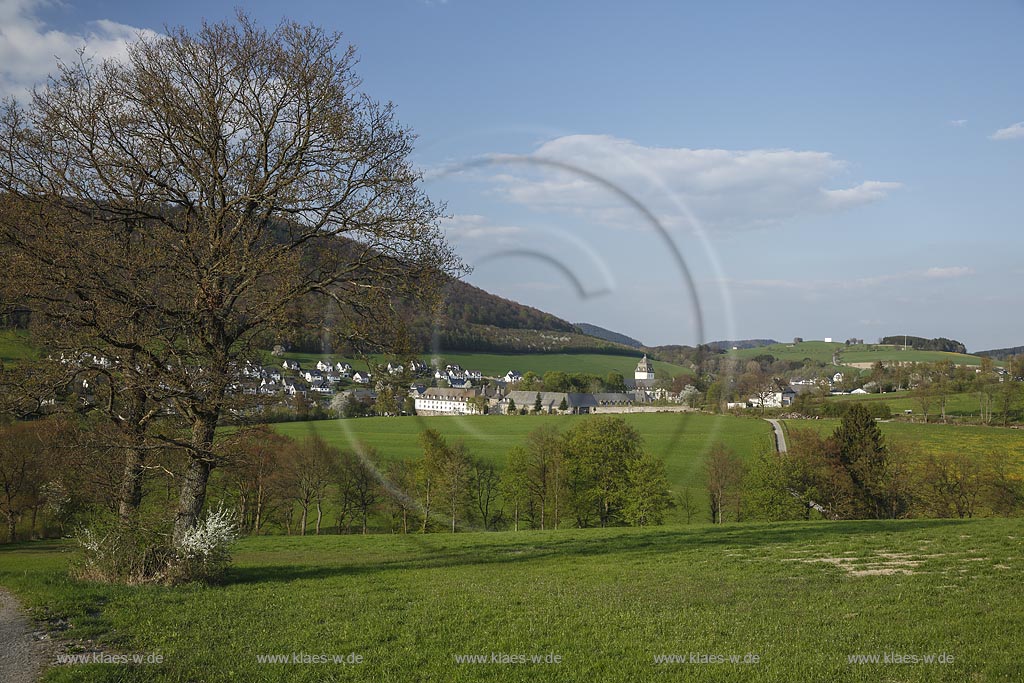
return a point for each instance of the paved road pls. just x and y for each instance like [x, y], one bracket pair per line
[780, 436]
[21, 655]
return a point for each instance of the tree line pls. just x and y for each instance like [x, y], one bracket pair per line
[854, 473]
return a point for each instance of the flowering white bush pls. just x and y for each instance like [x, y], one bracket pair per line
[205, 550]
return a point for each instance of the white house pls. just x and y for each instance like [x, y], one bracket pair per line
[291, 365]
[440, 401]
[512, 376]
[313, 376]
[321, 388]
[343, 367]
[361, 377]
[776, 399]
[323, 366]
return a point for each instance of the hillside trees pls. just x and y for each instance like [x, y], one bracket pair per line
[254, 459]
[724, 472]
[597, 454]
[230, 173]
[359, 483]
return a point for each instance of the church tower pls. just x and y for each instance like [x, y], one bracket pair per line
[644, 370]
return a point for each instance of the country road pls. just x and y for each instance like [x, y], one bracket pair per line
[21, 656]
[780, 436]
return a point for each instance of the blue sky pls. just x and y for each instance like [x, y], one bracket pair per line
[822, 169]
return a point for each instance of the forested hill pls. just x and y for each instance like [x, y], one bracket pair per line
[471, 305]
[608, 335]
[1002, 354]
[922, 344]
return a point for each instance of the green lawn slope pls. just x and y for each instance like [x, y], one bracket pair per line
[804, 599]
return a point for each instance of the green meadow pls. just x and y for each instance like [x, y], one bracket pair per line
[14, 346]
[497, 364]
[966, 404]
[795, 601]
[681, 439]
[938, 438]
[858, 353]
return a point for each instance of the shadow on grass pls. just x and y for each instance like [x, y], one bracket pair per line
[533, 545]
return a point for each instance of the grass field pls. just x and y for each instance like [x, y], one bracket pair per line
[860, 353]
[681, 439]
[960, 405]
[801, 597]
[497, 364]
[938, 438]
[14, 346]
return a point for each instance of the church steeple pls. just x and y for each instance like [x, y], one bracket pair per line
[644, 369]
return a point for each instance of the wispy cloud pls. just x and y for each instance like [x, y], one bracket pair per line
[1009, 133]
[818, 285]
[722, 189]
[29, 49]
[958, 123]
[949, 272]
[475, 226]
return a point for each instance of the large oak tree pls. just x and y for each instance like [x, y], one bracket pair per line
[173, 211]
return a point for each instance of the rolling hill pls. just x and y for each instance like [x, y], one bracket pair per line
[856, 355]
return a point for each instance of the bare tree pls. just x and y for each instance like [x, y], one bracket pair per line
[361, 480]
[229, 173]
[724, 472]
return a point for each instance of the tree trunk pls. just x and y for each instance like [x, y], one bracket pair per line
[130, 496]
[193, 486]
[12, 524]
[258, 516]
[305, 517]
[319, 516]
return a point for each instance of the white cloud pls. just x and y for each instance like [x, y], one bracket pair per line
[958, 123]
[933, 273]
[865, 193]
[721, 188]
[475, 226]
[29, 49]
[950, 272]
[1009, 133]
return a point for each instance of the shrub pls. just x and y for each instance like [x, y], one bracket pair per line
[122, 552]
[119, 551]
[205, 551]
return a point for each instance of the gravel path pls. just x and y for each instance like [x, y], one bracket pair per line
[780, 436]
[22, 657]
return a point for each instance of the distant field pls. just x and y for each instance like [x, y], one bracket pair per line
[866, 353]
[803, 598]
[681, 439]
[497, 364]
[960, 405]
[14, 346]
[938, 438]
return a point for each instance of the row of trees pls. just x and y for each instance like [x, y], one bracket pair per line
[854, 474]
[594, 474]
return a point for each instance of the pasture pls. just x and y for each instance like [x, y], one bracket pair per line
[858, 353]
[938, 438]
[497, 364]
[806, 599]
[680, 439]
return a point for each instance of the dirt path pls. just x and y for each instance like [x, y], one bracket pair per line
[22, 657]
[780, 436]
